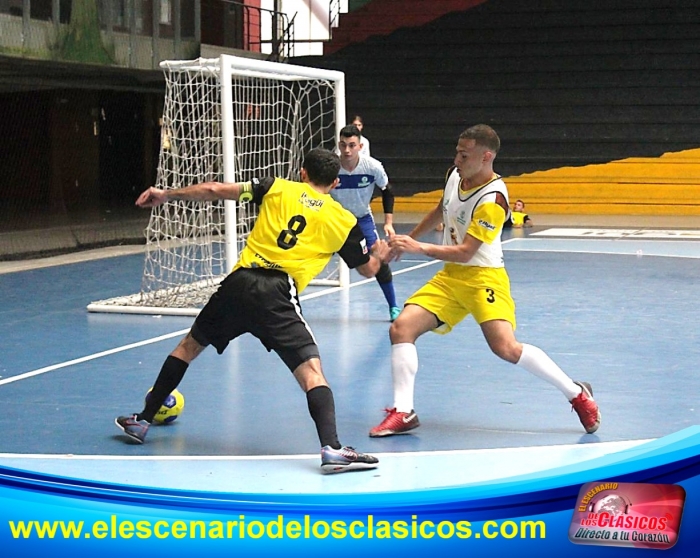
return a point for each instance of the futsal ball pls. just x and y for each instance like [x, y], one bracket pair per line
[171, 409]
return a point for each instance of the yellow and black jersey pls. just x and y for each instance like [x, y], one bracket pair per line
[517, 219]
[298, 229]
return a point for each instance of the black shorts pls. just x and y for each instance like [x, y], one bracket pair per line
[263, 302]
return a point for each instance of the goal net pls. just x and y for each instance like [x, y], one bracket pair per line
[226, 119]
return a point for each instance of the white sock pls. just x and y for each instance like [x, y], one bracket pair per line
[404, 366]
[536, 362]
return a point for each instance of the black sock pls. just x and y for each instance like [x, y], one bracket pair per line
[322, 409]
[170, 376]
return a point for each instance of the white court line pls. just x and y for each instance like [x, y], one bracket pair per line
[573, 246]
[613, 447]
[365, 281]
[563, 251]
[90, 357]
[179, 333]
[640, 234]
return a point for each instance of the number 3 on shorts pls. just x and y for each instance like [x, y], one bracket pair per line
[491, 296]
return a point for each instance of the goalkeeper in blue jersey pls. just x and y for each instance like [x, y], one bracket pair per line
[359, 176]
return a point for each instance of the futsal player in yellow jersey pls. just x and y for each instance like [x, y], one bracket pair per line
[298, 229]
[473, 281]
[518, 217]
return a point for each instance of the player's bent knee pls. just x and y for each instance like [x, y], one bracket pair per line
[394, 332]
[309, 374]
[401, 332]
[188, 348]
[510, 352]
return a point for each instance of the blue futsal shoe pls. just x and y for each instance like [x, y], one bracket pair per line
[394, 312]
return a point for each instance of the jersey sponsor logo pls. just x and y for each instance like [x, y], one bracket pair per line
[311, 203]
[461, 219]
[363, 244]
[355, 181]
[486, 225]
[265, 263]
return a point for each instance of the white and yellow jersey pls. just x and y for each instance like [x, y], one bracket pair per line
[479, 212]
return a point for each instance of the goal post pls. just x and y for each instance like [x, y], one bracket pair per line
[226, 119]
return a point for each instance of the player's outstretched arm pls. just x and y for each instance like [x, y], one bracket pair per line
[461, 253]
[204, 191]
[389, 230]
[152, 197]
[388, 208]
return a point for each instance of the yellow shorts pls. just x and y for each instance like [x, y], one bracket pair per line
[457, 291]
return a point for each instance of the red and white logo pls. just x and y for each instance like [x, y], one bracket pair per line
[634, 515]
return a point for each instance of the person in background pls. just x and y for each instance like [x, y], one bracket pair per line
[357, 121]
[359, 176]
[518, 217]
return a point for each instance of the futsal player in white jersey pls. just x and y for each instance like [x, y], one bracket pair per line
[473, 281]
[359, 175]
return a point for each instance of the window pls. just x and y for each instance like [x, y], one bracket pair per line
[165, 12]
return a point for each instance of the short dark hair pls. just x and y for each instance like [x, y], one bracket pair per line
[322, 166]
[349, 131]
[483, 135]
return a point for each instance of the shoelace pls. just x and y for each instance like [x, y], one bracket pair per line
[136, 422]
[588, 408]
[393, 417]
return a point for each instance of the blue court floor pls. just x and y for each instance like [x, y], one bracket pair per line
[617, 310]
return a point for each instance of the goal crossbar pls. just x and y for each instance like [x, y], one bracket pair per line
[227, 119]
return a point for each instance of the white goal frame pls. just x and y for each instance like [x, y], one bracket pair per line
[225, 69]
